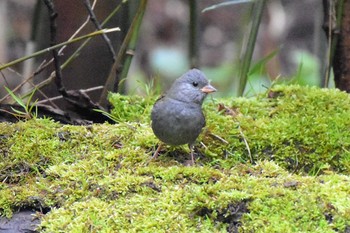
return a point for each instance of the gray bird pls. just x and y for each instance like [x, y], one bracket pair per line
[177, 116]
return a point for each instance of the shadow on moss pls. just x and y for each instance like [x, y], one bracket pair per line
[230, 215]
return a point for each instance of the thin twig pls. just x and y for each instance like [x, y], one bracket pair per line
[71, 40]
[246, 144]
[17, 87]
[53, 29]
[60, 96]
[41, 67]
[99, 27]
[203, 145]
[27, 80]
[44, 64]
[77, 51]
[81, 27]
[218, 138]
[4, 78]
[49, 49]
[88, 39]
[63, 45]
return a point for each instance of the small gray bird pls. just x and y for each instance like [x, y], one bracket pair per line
[177, 116]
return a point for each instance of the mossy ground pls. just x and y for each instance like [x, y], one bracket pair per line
[99, 178]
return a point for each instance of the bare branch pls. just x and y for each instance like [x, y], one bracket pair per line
[99, 27]
[53, 29]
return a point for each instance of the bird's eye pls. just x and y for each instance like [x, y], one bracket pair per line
[195, 84]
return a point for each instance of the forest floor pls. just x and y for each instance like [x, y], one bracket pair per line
[277, 162]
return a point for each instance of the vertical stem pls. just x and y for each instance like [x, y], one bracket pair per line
[129, 53]
[53, 30]
[257, 11]
[193, 37]
[333, 11]
[121, 66]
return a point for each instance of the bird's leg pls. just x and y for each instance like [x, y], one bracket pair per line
[155, 154]
[192, 156]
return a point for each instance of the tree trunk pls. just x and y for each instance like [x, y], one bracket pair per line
[341, 58]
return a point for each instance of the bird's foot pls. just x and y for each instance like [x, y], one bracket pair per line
[188, 163]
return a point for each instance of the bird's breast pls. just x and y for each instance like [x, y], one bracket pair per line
[175, 122]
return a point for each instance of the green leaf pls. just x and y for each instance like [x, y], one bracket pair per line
[223, 4]
[262, 62]
[16, 98]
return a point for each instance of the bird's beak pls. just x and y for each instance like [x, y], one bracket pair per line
[208, 89]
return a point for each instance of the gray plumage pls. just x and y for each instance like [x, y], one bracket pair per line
[177, 117]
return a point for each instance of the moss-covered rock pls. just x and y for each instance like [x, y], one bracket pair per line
[278, 162]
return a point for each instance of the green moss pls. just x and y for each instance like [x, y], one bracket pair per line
[130, 108]
[99, 178]
[301, 128]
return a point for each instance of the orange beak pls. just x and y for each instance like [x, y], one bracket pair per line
[208, 89]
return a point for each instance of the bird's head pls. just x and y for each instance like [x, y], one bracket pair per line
[191, 87]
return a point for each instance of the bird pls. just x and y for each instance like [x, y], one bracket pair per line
[177, 116]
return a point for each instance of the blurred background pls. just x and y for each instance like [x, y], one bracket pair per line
[291, 29]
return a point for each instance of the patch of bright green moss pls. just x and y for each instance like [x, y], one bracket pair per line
[301, 128]
[99, 178]
[275, 203]
[130, 108]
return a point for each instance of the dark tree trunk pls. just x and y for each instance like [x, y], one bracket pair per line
[341, 61]
[341, 58]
